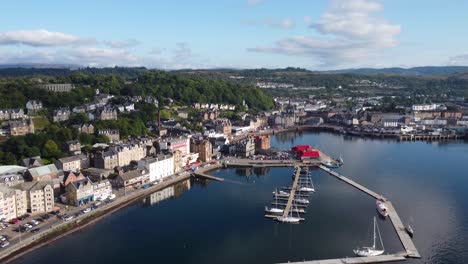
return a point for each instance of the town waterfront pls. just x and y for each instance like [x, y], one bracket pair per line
[222, 222]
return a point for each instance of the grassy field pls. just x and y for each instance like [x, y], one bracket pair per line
[40, 123]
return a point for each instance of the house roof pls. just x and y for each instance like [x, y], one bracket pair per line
[32, 186]
[132, 174]
[11, 169]
[80, 183]
[43, 170]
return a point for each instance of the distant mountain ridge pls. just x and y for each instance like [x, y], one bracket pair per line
[21, 69]
[423, 70]
[39, 66]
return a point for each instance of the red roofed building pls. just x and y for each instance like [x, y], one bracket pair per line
[305, 152]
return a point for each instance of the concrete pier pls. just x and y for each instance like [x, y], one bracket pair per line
[355, 260]
[406, 241]
[201, 173]
[411, 250]
[353, 183]
[293, 192]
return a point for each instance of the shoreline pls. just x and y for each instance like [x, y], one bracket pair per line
[33, 243]
[66, 228]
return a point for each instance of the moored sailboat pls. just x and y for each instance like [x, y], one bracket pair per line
[371, 251]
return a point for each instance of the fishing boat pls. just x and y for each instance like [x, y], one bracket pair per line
[371, 251]
[381, 208]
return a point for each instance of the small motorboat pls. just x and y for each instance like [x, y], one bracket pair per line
[382, 208]
[409, 230]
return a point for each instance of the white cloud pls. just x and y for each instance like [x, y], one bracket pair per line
[354, 20]
[349, 32]
[122, 44]
[41, 38]
[81, 56]
[285, 23]
[459, 60]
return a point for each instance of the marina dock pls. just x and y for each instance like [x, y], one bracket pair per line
[353, 183]
[355, 260]
[293, 192]
[411, 250]
[405, 239]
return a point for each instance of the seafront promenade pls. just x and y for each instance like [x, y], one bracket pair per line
[57, 228]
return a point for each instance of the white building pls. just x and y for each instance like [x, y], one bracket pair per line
[159, 167]
[101, 190]
[425, 107]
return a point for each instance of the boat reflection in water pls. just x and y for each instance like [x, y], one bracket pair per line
[175, 190]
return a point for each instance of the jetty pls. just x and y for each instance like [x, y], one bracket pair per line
[355, 260]
[200, 173]
[352, 183]
[293, 192]
[405, 239]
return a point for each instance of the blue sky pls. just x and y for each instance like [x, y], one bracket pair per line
[314, 34]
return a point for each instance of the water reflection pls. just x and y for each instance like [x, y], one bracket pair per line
[175, 191]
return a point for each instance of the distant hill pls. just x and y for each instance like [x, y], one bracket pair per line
[424, 70]
[39, 66]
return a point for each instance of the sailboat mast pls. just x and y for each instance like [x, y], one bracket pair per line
[373, 245]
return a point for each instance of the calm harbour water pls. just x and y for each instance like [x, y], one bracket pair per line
[222, 222]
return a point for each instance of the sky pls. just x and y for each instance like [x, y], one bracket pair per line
[176, 34]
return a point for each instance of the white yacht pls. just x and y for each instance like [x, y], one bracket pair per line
[301, 200]
[382, 208]
[273, 210]
[371, 251]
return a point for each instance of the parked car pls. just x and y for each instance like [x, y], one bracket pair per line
[27, 226]
[14, 221]
[68, 217]
[4, 244]
[35, 230]
[87, 210]
[3, 238]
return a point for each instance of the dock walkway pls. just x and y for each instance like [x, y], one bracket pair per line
[406, 241]
[411, 250]
[355, 260]
[353, 183]
[293, 192]
[201, 173]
